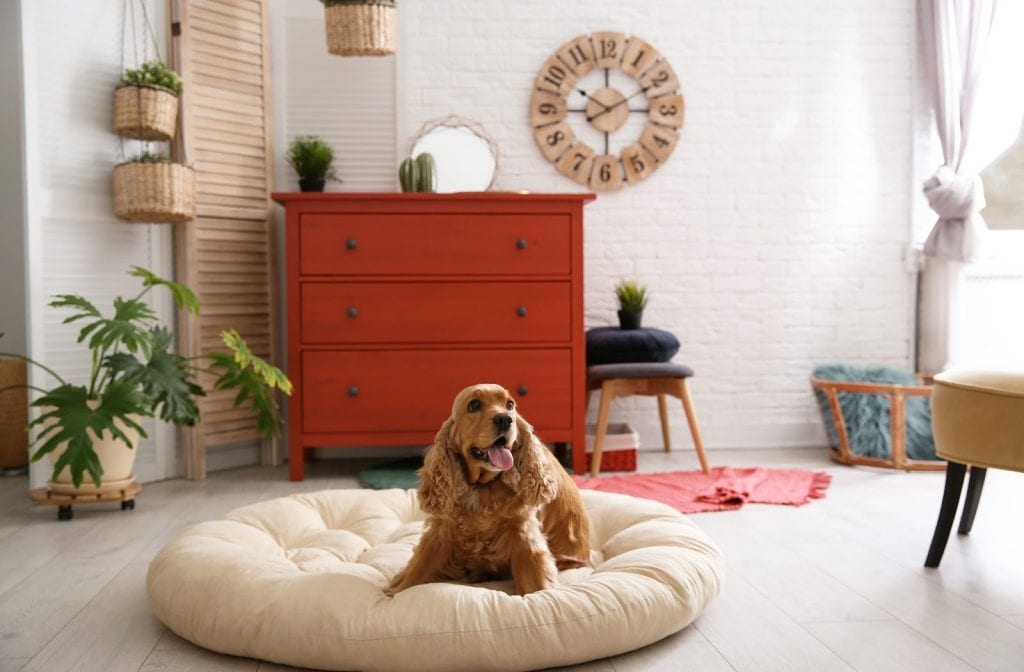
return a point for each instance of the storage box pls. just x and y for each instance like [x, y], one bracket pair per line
[620, 446]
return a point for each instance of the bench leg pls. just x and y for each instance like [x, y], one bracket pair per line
[947, 512]
[691, 418]
[607, 394]
[663, 412]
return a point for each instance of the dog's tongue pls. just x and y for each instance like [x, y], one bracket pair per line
[500, 456]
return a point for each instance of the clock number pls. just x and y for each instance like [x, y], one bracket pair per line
[608, 48]
[555, 77]
[576, 163]
[606, 175]
[554, 139]
[638, 57]
[667, 110]
[659, 141]
[545, 108]
[576, 51]
[659, 81]
[578, 55]
[637, 162]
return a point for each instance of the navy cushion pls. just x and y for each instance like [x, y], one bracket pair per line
[611, 345]
[638, 370]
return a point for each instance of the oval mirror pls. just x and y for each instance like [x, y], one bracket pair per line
[465, 157]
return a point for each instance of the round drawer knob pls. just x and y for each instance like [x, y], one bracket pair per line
[353, 391]
[521, 311]
[351, 243]
[353, 312]
[522, 390]
[521, 244]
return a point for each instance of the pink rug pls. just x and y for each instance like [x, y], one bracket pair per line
[724, 489]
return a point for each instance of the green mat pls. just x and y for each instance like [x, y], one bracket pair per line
[397, 474]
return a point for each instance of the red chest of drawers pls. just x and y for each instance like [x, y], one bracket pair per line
[398, 301]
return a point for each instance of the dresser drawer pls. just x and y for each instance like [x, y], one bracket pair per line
[434, 244]
[434, 312]
[412, 390]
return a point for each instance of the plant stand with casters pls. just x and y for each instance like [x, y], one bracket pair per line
[64, 501]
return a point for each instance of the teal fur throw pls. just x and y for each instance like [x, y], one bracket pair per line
[867, 415]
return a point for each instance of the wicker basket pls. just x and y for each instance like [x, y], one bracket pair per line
[145, 112]
[13, 415]
[361, 27]
[154, 192]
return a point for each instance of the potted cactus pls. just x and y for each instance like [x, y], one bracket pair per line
[146, 102]
[418, 174]
[313, 160]
[632, 299]
[151, 188]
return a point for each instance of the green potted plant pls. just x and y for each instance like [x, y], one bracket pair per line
[313, 161]
[150, 187]
[135, 374]
[632, 301]
[146, 102]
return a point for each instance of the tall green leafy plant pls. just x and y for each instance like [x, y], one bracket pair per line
[134, 372]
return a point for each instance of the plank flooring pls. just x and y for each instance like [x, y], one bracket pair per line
[834, 585]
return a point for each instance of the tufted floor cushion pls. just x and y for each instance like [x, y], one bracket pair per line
[298, 580]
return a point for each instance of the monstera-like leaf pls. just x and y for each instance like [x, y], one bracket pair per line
[129, 327]
[254, 378]
[164, 378]
[68, 416]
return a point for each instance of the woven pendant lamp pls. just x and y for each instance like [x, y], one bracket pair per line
[360, 27]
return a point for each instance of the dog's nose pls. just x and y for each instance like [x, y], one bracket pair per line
[503, 421]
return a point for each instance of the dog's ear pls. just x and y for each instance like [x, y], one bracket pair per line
[531, 476]
[442, 482]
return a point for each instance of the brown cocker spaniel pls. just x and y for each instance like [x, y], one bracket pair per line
[498, 503]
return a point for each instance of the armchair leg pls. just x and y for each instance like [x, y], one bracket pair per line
[974, 486]
[947, 512]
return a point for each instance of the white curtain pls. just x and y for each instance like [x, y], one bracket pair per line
[955, 36]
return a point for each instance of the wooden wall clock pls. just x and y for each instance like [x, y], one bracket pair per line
[633, 93]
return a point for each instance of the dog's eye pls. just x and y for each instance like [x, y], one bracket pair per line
[478, 454]
[474, 405]
[510, 404]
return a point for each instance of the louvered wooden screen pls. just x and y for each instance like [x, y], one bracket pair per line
[227, 253]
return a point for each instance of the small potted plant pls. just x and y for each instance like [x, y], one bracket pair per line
[146, 102]
[632, 301]
[313, 161]
[151, 188]
[360, 27]
[93, 427]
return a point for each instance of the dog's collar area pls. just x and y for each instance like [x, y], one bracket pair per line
[479, 486]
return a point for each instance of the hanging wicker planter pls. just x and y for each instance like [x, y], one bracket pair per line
[154, 192]
[145, 112]
[360, 27]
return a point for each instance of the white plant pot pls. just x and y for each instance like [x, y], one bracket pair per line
[116, 458]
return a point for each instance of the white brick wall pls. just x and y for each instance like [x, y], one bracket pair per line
[774, 238]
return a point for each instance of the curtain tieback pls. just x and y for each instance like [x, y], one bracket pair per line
[954, 196]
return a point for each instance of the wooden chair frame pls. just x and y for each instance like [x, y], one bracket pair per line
[897, 398]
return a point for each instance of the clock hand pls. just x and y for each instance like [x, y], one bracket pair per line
[621, 102]
[590, 97]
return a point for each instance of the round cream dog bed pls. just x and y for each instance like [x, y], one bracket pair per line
[299, 580]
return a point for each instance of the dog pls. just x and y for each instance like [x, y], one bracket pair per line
[498, 503]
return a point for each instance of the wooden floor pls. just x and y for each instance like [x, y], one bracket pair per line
[834, 585]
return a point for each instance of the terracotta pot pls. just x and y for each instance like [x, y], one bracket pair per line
[116, 458]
